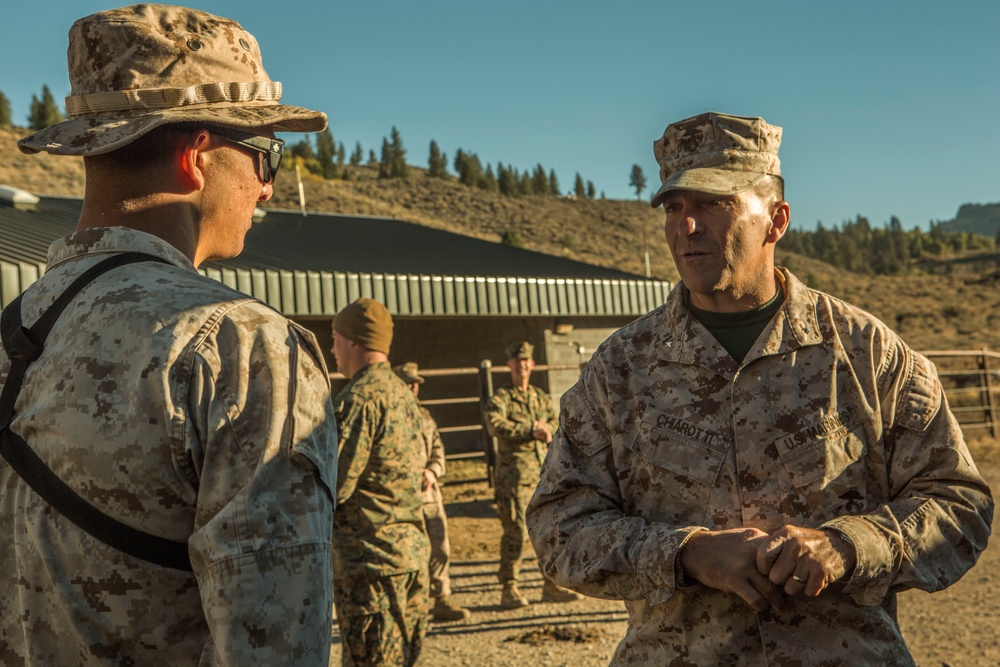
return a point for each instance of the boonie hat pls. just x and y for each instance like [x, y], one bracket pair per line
[136, 68]
[521, 349]
[366, 322]
[716, 153]
[409, 373]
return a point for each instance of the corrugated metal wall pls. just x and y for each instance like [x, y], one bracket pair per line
[305, 293]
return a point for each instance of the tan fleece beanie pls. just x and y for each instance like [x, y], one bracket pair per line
[366, 322]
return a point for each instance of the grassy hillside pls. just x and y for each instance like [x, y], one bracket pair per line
[606, 233]
[960, 311]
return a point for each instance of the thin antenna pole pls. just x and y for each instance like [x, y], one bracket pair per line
[302, 190]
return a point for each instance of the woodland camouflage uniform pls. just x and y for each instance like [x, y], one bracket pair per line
[666, 434]
[380, 549]
[511, 414]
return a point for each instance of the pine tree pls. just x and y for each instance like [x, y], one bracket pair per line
[473, 170]
[372, 160]
[506, 180]
[340, 154]
[303, 149]
[539, 181]
[5, 117]
[385, 164]
[637, 180]
[437, 163]
[357, 156]
[578, 188]
[303, 154]
[326, 152]
[527, 187]
[398, 166]
[591, 190]
[44, 112]
[553, 183]
[489, 181]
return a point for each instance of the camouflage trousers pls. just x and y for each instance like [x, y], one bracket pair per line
[382, 620]
[511, 502]
[437, 533]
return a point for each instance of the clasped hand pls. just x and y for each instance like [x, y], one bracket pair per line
[762, 569]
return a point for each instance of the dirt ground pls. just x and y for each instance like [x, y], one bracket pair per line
[952, 628]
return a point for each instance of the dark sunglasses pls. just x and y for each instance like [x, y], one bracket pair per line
[271, 148]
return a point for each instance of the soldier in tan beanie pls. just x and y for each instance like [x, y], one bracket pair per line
[380, 547]
[755, 467]
[190, 425]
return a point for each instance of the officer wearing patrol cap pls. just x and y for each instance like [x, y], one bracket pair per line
[756, 467]
[435, 519]
[190, 426]
[521, 417]
[380, 549]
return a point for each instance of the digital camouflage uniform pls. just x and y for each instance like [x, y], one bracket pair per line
[829, 421]
[435, 519]
[380, 549]
[187, 410]
[511, 414]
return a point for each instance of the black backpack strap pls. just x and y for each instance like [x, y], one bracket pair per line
[24, 346]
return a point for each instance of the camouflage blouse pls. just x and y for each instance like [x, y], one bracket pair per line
[190, 411]
[831, 420]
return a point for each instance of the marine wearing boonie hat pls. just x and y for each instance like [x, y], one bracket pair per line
[409, 373]
[136, 68]
[521, 349]
[716, 153]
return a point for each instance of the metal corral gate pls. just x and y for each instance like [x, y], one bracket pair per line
[970, 380]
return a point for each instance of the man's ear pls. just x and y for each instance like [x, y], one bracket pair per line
[190, 158]
[781, 215]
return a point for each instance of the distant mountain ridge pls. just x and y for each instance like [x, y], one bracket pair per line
[977, 218]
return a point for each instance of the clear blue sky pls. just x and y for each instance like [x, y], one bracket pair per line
[888, 107]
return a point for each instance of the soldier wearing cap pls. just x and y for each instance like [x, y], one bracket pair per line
[755, 467]
[380, 548]
[521, 417]
[182, 412]
[435, 519]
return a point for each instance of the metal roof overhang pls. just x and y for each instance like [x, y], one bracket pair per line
[296, 287]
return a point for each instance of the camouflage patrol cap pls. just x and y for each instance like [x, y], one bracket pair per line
[136, 68]
[716, 153]
[521, 349]
[409, 372]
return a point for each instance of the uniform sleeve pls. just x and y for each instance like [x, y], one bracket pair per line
[436, 460]
[357, 421]
[939, 518]
[502, 424]
[549, 413]
[264, 438]
[577, 521]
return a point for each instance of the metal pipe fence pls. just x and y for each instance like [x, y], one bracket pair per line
[971, 379]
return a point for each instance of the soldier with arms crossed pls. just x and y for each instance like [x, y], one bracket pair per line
[755, 467]
[193, 418]
[523, 420]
